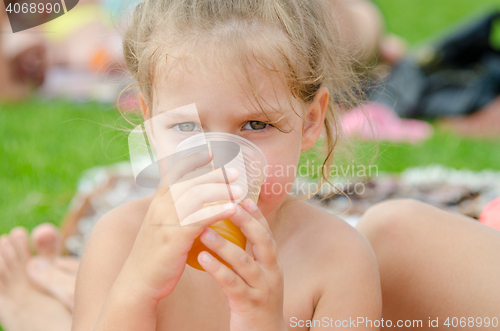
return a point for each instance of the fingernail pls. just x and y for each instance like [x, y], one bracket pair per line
[228, 206]
[204, 257]
[232, 171]
[209, 235]
[236, 190]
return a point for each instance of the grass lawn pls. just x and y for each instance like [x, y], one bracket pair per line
[45, 145]
[417, 20]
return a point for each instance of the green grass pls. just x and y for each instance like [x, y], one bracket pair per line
[445, 148]
[417, 20]
[46, 145]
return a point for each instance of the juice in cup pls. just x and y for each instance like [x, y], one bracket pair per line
[226, 229]
[250, 164]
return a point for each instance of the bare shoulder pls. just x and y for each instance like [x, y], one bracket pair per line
[124, 221]
[328, 234]
[340, 258]
[114, 234]
[106, 250]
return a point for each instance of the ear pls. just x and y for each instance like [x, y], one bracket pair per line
[144, 108]
[315, 117]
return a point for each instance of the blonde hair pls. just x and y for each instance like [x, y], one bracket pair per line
[297, 40]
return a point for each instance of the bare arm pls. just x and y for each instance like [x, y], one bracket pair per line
[352, 292]
[137, 254]
[99, 285]
[126, 308]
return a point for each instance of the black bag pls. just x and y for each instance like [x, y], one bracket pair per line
[454, 77]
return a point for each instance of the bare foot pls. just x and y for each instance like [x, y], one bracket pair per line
[46, 239]
[58, 278]
[49, 271]
[393, 49]
[483, 123]
[22, 306]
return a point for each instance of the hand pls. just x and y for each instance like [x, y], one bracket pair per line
[254, 287]
[158, 256]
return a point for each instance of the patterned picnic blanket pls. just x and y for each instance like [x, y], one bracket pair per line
[103, 188]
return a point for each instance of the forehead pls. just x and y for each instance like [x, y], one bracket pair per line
[248, 60]
[214, 81]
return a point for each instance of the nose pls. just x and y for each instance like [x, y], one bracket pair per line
[220, 127]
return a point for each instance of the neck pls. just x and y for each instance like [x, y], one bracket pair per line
[276, 217]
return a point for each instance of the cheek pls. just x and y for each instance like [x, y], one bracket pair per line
[282, 157]
[279, 182]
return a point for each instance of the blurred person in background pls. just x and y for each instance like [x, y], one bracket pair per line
[22, 64]
[82, 40]
[85, 38]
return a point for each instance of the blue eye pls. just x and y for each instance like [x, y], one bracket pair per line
[185, 126]
[256, 125]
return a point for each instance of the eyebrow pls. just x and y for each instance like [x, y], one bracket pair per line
[175, 115]
[272, 114]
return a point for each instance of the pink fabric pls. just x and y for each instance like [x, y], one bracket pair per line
[375, 121]
[490, 215]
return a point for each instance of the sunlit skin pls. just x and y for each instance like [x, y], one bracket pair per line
[221, 110]
[301, 263]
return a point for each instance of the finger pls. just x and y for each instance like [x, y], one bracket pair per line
[210, 215]
[180, 169]
[242, 263]
[200, 177]
[197, 197]
[186, 234]
[188, 164]
[163, 211]
[252, 208]
[233, 286]
[264, 247]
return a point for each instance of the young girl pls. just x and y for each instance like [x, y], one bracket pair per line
[266, 70]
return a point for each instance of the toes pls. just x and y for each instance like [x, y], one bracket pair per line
[47, 240]
[8, 253]
[19, 239]
[4, 273]
[56, 281]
